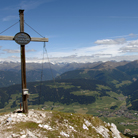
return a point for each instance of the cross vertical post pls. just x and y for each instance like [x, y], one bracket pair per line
[23, 65]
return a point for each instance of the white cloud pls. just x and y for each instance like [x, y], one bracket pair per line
[24, 4]
[17, 51]
[132, 35]
[110, 41]
[129, 49]
[30, 50]
[98, 50]
[134, 42]
[14, 57]
[102, 55]
[31, 4]
[11, 51]
[8, 18]
[125, 17]
[106, 50]
[11, 58]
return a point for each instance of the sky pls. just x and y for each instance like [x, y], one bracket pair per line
[78, 30]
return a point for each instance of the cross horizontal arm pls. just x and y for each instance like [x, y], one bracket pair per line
[32, 38]
[6, 37]
[39, 39]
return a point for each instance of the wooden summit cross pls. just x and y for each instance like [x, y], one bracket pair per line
[23, 38]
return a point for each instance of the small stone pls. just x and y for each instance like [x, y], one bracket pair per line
[15, 136]
[23, 136]
[47, 127]
[9, 119]
[40, 125]
[85, 127]
[23, 132]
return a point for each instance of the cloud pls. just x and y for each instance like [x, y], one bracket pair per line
[11, 51]
[134, 42]
[118, 46]
[124, 17]
[32, 4]
[96, 51]
[0, 47]
[129, 49]
[10, 58]
[132, 35]
[14, 57]
[27, 4]
[24, 4]
[110, 41]
[30, 50]
[8, 18]
[125, 36]
[102, 55]
[113, 49]
[17, 51]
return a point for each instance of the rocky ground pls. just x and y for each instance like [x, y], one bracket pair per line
[50, 124]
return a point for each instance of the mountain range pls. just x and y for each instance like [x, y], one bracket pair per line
[10, 72]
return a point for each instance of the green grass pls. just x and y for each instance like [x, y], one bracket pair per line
[26, 125]
[100, 87]
[61, 85]
[86, 92]
[22, 126]
[127, 82]
[115, 82]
